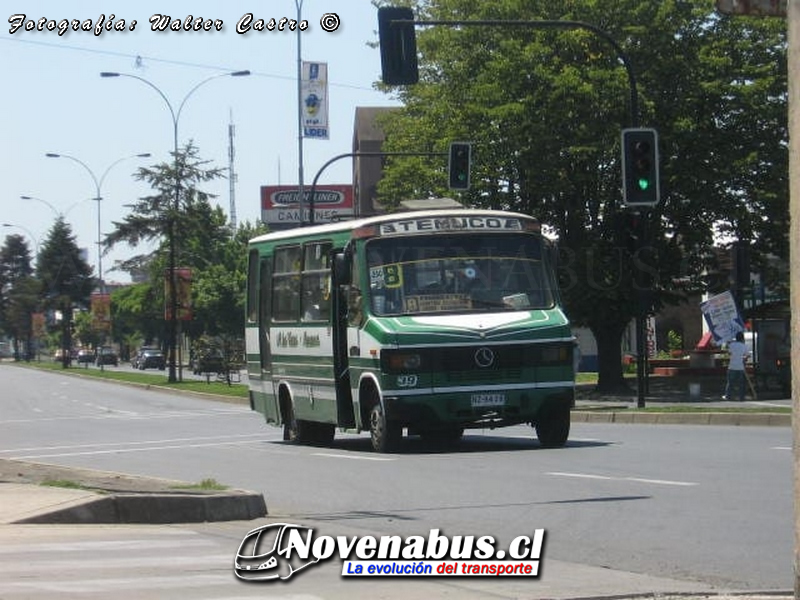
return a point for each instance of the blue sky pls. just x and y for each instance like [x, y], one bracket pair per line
[54, 100]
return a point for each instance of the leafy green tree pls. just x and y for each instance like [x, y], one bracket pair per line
[137, 316]
[82, 329]
[150, 218]
[544, 108]
[204, 243]
[15, 271]
[65, 277]
[218, 292]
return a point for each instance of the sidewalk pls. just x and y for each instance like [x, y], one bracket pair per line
[42, 493]
[682, 400]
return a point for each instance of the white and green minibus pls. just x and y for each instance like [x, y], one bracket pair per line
[431, 322]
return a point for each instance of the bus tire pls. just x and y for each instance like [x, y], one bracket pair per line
[385, 434]
[295, 430]
[552, 428]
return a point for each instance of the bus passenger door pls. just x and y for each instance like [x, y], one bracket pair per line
[341, 368]
[271, 413]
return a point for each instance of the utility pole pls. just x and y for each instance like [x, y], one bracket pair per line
[231, 175]
[794, 261]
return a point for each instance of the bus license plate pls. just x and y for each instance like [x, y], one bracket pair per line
[483, 400]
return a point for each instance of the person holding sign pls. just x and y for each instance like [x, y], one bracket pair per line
[736, 379]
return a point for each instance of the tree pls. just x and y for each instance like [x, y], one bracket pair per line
[204, 244]
[65, 277]
[15, 287]
[544, 109]
[151, 217]
[218, 293]
[23, 302]
[137, 316]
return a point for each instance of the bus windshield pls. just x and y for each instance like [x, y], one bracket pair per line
[458, 272]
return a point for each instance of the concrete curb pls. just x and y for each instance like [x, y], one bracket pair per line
[685, 418]
[157, 508]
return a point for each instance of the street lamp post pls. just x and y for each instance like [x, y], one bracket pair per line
[173, 299]
[58, 213]
[34, 239]
[98, 184]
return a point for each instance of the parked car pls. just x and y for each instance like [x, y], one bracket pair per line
[211, 361]
[106, 356]
[85, 356]
[149, 358]
[58, 355]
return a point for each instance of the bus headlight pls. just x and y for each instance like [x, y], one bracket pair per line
[555, 354]
[400, 361]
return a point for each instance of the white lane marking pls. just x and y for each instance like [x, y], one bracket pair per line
[781, 448]
[331, 455]
[132, 443]
[28, 567]
[179, 540]
[123, 450]
[131, 415]
[635, 479]
[108, 409]
[113, 585]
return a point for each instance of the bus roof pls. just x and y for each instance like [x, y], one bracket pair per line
[419, 216]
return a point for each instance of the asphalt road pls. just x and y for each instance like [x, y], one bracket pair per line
[696, 503]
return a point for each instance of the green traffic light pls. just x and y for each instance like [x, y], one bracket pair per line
[643, 184]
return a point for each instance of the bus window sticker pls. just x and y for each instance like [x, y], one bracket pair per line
[393, 276]
[386, 276]
[376, 278]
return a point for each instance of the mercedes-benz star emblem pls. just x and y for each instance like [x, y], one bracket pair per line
[484, 357]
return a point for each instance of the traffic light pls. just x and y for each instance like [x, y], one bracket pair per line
[398, 43]
[640, 185]
[458, 166]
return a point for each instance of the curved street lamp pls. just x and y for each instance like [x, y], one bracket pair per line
[176, 115]
[34, 239]
[98, 184]
[58, 213]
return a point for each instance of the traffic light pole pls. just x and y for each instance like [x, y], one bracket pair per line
[313, 192]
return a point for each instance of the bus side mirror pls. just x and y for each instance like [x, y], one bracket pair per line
[341, 268]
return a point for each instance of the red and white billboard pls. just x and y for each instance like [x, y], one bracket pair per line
[280, 207]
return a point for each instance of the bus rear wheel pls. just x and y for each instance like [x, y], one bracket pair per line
[295, 430]
[385, 434]
[552, 428]
[308, 432]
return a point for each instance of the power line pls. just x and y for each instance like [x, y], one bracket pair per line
[141, 59]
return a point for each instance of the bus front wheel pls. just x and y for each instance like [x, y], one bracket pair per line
[552, 428]
[295, 430]
[385, 434]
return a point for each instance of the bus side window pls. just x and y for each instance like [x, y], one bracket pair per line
[286, 284]
[315, 294]
[316, 297]
[253, 286]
